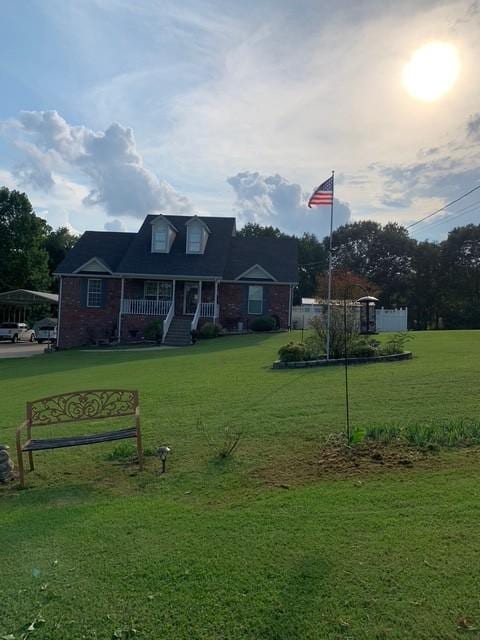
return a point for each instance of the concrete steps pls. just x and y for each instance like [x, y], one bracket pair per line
[179, 333]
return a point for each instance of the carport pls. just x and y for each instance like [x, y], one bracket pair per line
[15, 304]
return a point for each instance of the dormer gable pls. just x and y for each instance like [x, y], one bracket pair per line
[255, 272]
[197, 235]
[163, 234]
[94, 265]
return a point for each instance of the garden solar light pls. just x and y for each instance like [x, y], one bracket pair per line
[162, 453]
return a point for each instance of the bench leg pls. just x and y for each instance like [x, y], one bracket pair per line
[21, 471]
[139, 449]
[30, 460]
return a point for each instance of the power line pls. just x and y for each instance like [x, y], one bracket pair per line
[451, 216]
[413, 224]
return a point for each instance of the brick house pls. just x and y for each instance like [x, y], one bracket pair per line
[183, 270]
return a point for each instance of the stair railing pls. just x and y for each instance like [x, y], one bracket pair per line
[196, 317]
[168, 320]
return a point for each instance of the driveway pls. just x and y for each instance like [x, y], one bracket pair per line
[20, 349]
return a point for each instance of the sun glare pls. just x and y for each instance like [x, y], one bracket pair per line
[431, 71]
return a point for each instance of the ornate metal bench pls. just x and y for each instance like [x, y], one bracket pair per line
[93, 405]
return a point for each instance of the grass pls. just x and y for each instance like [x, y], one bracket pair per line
[210, 550]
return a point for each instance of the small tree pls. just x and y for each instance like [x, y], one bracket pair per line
[337, 329]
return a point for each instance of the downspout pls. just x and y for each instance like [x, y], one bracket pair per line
[60, 291]
[120, 312]
[290, 308]
[215, 299]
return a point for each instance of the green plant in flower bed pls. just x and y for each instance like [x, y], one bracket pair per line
[447, 433]
[263, 323]
[293, 352]
[396, 344]
[209, 330]
[154, 331]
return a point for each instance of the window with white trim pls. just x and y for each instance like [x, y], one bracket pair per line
[160, 238]
[94, 292]
[255, 300]
[195, 234]
[157, 290]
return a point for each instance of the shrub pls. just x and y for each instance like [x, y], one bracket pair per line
[314, 348]
[364, 348]
[292, 352]
[396, 344]
[337, 330]
[263, 323]
[209, 330]
[154, 331]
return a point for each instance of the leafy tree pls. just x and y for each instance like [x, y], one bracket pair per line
[23, 259]
[255, 230]
[345, 284]
[460, 264]
[427, 286]
[382, 254]
[57, 245]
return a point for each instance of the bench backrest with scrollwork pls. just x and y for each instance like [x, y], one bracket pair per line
[94, 404]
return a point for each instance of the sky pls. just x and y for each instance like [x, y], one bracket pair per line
[112, 109]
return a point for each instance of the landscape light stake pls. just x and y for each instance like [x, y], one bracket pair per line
[162, 453]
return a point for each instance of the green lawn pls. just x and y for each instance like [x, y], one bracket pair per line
[215, 551]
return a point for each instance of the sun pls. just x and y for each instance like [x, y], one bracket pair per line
[431, 71]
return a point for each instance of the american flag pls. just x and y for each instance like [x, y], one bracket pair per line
[322, 194]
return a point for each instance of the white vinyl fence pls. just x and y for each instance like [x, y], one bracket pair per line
[392, 319]
[387, 319]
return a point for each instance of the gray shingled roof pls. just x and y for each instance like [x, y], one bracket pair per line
[225, 256]
[109, 246]
[278, 256]
[140, 259]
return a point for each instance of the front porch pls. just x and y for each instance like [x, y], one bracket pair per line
[183, 302]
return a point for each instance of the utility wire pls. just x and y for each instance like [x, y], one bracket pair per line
[472, 208]
[413, 224]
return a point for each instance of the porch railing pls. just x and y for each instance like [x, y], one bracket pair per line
[207, 310]
[145, 307]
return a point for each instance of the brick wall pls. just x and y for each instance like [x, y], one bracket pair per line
[79, 324]
[233, 304]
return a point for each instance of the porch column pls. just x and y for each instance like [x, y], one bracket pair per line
[200, 295]
[173, 295]
[215, 303]
[120, 312]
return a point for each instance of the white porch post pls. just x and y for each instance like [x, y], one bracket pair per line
[215, 303]
[120, 312]
[200, 294]
[173, 295]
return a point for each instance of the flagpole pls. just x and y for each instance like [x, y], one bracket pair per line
[329, 307]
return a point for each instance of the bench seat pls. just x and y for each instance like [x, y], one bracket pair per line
[74, 441]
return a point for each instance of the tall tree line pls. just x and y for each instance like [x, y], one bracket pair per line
[30, 249]
[439, 282]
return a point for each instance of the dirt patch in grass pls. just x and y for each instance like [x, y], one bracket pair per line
[338, 460]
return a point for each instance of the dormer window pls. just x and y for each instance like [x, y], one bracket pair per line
[194, 240]
[163, 234]
[160, 236]
[197, 235]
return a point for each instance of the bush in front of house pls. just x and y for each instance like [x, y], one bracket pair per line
[154, 331]
[293, 352]
[263, 323]
[209, 330]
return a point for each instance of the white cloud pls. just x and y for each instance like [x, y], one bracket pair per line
[114, 225]
[108, 160]
[273, 200]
